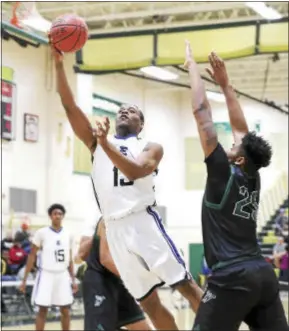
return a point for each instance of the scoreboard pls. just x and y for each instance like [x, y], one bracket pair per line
[8, 91]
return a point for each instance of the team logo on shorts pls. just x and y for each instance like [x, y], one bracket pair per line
[98, 300]
[208, 296]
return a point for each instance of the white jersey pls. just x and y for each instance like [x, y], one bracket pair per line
[55, 248]
[117, 196]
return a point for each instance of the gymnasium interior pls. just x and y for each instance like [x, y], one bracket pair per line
[135, 55]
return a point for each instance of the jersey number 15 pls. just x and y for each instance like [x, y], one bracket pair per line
[59, 255]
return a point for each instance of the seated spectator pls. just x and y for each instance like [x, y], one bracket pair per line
[23, 234]
[17, 256]
[283, 265]
[279, 247]
[281, 223]
[7, 242]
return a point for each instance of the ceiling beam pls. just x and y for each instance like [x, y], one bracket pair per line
[193, 8]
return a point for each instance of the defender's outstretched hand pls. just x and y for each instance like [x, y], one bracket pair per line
[218, 72]
[56, 54]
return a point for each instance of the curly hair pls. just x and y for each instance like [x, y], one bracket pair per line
[56, 206]
[257, 149]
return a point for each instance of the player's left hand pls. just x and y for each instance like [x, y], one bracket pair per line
[218, 72]
[74, 288]
[102, 130]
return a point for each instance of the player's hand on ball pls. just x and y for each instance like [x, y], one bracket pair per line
[218, 70]
[22, 287]
[102, 129]
[74, 288]
[56, 54]
[189, 56]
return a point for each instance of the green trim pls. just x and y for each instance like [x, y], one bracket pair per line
[22, 33]
[220, 205]
[101, 97]
[106, 112]
[137, 318]
[223, 264]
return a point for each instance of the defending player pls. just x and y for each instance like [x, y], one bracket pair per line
[107, 303]
[123, 168]
[242, 286]
[55, 279]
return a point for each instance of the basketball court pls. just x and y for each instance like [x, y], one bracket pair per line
[184, 317]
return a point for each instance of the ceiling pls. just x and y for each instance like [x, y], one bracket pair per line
[262, 76]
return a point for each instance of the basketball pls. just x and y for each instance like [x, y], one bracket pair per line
[69, 33]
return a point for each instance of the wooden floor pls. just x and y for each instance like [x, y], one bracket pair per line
[184, 317]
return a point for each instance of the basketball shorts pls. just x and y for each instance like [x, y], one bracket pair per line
[247, 293]
[107, 303]
[52, 289]
[144, 254]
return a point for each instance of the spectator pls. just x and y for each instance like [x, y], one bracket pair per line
[281, 223]
[280, 247]
[283, 264]
[7, 242]
[23, 234]
[17, 256]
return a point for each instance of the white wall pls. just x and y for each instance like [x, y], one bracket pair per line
[44, 166]
[41, 166]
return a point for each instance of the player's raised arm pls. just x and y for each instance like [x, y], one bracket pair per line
[144, 165]
[201, 107]
[79, 122]
[237, 118]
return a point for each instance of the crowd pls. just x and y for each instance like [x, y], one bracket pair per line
[14, 252]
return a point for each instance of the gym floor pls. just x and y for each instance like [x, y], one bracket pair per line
[184, 316]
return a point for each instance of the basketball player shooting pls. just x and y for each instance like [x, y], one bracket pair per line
[122, 174]
[107, 303]
[55, 275]
[242, 286]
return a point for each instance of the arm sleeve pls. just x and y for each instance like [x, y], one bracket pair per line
[218, 166]
[91, 223]
[37, 238]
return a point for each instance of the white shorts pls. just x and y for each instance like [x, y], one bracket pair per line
[143, 253]
[52, 289]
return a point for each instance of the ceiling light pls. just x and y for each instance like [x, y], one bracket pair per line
[215, 96]
[262, 9]
[159, 73]
[37, 23]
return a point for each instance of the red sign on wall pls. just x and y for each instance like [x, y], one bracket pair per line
[7, 110]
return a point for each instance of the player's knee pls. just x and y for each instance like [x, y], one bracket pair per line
[151, 304]
[42, 312]
[64, 311]
[189, 289]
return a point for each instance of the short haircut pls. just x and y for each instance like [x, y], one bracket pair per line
[56, 206]
[141, 116]
[257, 150]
